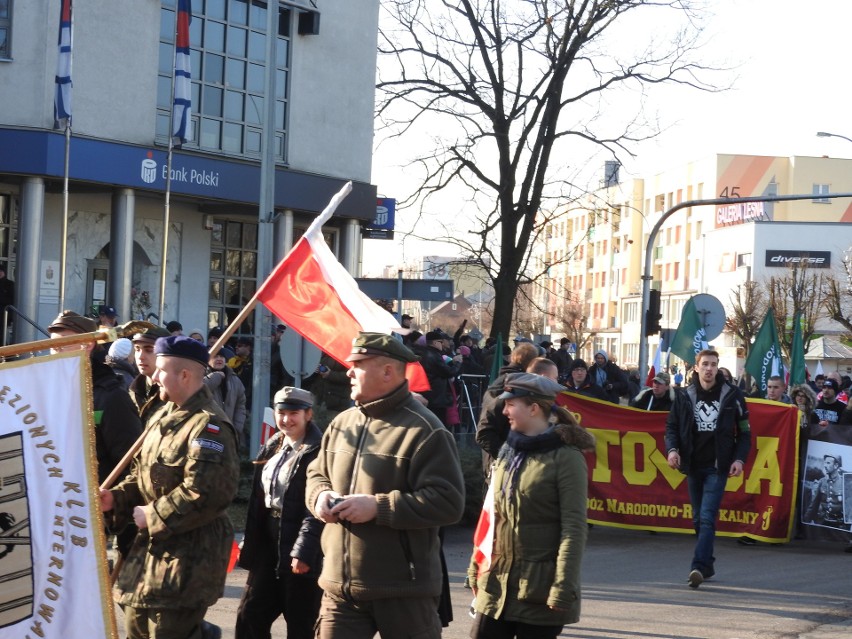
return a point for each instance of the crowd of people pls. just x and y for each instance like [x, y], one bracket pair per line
[344, 524]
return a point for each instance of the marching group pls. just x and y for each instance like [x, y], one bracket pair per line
[343, 531]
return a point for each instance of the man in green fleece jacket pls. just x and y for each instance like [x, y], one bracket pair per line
[386, 478]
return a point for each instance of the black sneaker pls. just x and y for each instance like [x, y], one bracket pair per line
[695, 578]
[747, 541]
[210, 630]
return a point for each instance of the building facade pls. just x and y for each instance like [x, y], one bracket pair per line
[324, 68]
[595, 249]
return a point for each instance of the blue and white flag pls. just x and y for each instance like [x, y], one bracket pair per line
[182, 111]
[62, 100]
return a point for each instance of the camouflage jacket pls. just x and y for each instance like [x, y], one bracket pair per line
[187, 471]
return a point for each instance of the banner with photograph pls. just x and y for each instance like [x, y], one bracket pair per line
[632, 486]
[826, 490]
[53, 571]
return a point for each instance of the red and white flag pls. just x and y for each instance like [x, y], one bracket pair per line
[657, 366]
[315, 296]
[483, 536]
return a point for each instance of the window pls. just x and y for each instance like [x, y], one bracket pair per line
[228, 62]
[233, 272]
[631, 312]
[821, 189]
[5, 29]
[8, 237]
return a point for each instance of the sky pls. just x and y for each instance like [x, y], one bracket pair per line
[790, 77]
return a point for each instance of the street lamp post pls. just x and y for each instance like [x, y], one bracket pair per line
[649, 248]
[824, 134]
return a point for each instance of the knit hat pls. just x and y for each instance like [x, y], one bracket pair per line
[120, 348]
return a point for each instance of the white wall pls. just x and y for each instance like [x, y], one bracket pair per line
[333, 91]
[114, 68]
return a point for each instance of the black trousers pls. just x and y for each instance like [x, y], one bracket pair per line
[488, 628]
[267, 596]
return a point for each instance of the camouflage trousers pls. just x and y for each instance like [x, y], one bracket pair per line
[163, 623]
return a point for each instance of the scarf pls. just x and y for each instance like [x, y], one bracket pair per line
[516, 449]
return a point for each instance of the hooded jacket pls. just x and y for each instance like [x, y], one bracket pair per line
[615, 378]
[396, 449]
[539, 533]
[229, 391]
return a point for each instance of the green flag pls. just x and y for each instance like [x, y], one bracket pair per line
[497, 362]
[690, 338]
[765, 353]
[797, 354]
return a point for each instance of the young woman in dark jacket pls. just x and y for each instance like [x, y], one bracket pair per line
[281, 549]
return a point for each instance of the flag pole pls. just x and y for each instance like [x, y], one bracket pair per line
[64, 243]
[161, 308]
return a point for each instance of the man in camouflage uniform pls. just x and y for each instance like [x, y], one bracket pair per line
[182, 480]
[826, 507]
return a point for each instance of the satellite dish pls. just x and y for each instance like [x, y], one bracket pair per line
[712, 314]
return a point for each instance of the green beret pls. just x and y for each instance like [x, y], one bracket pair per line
[368, 345]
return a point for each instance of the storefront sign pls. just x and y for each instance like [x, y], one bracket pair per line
[810, 259]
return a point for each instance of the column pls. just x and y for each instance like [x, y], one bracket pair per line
[121, 252]
[30, 226]
[350, 247]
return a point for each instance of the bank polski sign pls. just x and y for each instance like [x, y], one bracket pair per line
[151, 172]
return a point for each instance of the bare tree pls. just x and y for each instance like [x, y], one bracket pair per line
[748, 308]
[838, 295]
[799, 292]
[505, 89]
[574, 319]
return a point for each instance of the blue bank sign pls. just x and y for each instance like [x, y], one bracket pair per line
[381, 228]
[35, 152]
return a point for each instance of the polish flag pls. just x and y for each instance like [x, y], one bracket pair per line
[483, 536]
[656, 366]
[315, 296]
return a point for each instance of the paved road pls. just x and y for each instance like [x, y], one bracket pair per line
[634, 587]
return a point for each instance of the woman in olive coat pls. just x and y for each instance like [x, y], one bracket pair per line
[531, 586]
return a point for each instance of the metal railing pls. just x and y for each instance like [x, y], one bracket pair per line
[11, 309]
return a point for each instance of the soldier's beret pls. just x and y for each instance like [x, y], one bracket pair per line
[368, 345]
[181, 346]
[290, 398]
[150, 334]
[71, 321]
[530, 385]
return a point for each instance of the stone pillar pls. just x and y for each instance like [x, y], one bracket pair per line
[30, 226]
[121, 252]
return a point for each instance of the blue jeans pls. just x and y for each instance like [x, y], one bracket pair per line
[706, 488]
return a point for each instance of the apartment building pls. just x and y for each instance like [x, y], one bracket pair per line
[595, 248]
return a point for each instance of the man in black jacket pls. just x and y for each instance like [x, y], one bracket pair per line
[659, 397]
[117, 425]
[708, 439]
[581, 384]
[439, 374]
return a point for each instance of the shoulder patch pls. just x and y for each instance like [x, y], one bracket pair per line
[213, 428]
[207, 443]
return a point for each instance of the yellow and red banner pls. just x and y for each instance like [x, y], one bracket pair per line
[632, 486]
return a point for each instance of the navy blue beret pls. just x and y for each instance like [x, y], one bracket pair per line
[181, 346]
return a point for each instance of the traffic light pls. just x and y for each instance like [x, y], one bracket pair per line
[652, 315]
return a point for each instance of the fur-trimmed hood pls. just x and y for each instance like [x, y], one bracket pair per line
[575, 435]
[808, 392]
